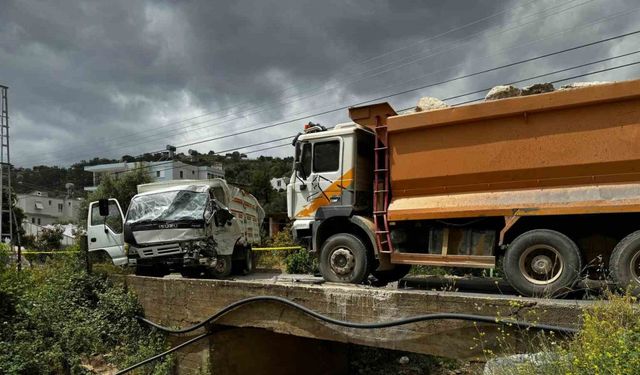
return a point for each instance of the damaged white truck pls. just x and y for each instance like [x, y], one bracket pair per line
[194, 227]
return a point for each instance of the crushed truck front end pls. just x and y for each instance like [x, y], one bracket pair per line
[197, 227]
[168, 226]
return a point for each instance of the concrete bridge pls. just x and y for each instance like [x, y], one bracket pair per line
[273, 338]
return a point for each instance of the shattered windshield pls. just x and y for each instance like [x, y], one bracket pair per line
[167, 206]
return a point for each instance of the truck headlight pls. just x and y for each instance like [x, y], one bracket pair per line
[126, 249]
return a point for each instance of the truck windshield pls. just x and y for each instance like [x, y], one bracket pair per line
[167, 206]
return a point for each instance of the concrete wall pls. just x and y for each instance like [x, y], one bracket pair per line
[182, 302]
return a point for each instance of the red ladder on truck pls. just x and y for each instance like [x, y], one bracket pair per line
[381, 187]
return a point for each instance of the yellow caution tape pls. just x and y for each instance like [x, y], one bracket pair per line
[48, 252]
[276, 248]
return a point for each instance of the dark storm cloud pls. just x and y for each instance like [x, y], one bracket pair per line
[98, 78]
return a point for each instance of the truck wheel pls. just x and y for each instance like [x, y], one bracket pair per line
[542, 262]
[344, 259]
[222, 268]
[248, 262]
[395, 274]
[624, 263]
[244, 265]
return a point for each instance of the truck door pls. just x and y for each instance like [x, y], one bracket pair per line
[318, 179]
[106, 233]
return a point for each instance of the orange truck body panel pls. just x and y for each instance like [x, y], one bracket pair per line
[582, 143]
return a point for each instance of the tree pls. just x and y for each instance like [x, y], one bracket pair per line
[277, 203]
[260, 186]
[122, 188]
[49, 239]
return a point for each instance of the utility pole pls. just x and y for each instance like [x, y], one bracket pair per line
[5, 170]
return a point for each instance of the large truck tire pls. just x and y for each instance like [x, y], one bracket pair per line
[624, 264]
[344, 259]
[395, 274]
[542, 263]
[222, 268]
[246, 264]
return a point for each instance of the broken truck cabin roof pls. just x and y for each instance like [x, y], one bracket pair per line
[172, 185]
[545, 143]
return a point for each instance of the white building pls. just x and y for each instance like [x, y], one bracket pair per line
[158, 171]
[41, 209]
[279, 183]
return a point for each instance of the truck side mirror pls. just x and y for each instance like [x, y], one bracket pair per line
[299, 168]
[103, 207]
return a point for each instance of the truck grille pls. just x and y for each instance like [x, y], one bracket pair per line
[152, 251]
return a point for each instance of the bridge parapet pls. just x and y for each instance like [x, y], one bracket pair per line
[183, 302]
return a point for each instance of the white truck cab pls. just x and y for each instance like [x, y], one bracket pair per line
[106, 233]
[329, 198]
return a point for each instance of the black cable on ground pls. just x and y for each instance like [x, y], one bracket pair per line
[158, 356]
[341, 323]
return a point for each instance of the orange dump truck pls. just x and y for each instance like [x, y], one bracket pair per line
[548, 182]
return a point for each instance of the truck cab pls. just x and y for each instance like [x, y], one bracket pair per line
[192, 227]
[331, 174]
[330, 188]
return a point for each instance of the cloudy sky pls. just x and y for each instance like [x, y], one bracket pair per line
[109, 78]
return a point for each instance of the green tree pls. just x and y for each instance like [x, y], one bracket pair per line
[49, 239]
[121, 187]
[260, 186]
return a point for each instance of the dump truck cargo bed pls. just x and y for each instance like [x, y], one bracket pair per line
[578, 137]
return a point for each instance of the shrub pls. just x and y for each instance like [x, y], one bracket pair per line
[55, 318]
[301, 261]
[608, 343]
[276, 259]
[49, 239]
[5, 255]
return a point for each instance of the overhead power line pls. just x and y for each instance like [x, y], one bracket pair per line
[457, 96]
[473, 93]
[349, 65]
[386, 53]
[245, 131]
[326, 89]
[553, 35]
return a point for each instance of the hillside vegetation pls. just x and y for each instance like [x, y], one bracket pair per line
[253, 175]
[57, 319]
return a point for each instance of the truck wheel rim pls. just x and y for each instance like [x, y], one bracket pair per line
[635, 266]
[342, 261]
[541, 264]
[220, 265]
